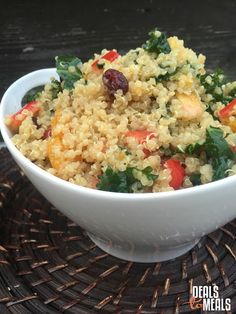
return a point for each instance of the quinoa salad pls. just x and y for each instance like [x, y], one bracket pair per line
[150, 120]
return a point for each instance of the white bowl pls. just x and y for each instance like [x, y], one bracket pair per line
[147, 227]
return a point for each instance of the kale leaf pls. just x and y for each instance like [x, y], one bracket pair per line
[232, 94]
[216, 145]
[32, 94]
[55, 88]
[32, 97]
[165, 77]
[116, 181]
[218, 152]
[213, 81]
[123, 181]
[68, 68]
[213, 85]
[192, 149]
[220, 166]
[148, 173]
[125, 150]
[195, 178]
[157, 43]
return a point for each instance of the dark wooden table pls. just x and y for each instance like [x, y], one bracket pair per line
[34, 32]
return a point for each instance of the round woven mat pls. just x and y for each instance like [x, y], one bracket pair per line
[49, 265]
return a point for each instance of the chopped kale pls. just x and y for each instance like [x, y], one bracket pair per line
[157, 43]
[165, 77]
[216, 145]
[180, 149]
[220, 166]
[213, 84]
[210, 109]
[68, 68]
[32, 97]
[232, 94]
[55, 88]
[192, 149]
[195, 178]
[218, 152]
[123, 181]
[192, 66]
[32, 94]
[126, 151]
[119, 181]
[148, 173]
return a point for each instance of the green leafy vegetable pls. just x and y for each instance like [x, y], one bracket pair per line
[195, 178]
[125, 150]
[220, 166]
[213, 81]
[216, 145]
[219, 153]
[192, 149]
[232, 94]
[32, 94]
[148, 173]
[32, 97]
[213, 85]
[123, 181]
[68, 68]
[157, 43]
[180, 149]
[165, 77]
[117, 181]
[55, 88]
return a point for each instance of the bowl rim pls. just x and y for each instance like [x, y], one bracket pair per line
[207, 187]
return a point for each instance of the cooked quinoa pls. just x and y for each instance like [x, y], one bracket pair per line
[148, 121]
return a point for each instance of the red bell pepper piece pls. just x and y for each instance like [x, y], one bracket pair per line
[110, 56]
[228, 110]
[225, 114]
[141, 136]
[177, 173]
[19, 116]
[47, 133]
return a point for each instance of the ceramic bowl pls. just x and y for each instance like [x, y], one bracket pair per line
[147, 227]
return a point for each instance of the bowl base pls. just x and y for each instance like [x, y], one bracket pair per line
[142, 255]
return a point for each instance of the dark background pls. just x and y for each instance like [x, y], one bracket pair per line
[32, 32]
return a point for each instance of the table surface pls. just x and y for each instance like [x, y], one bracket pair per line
[34, 32]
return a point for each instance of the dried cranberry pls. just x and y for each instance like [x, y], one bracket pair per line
[114, 80]
[47, 133]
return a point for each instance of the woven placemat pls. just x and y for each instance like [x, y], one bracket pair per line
[49, 265]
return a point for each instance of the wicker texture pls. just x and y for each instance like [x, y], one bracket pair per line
[49, 265]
